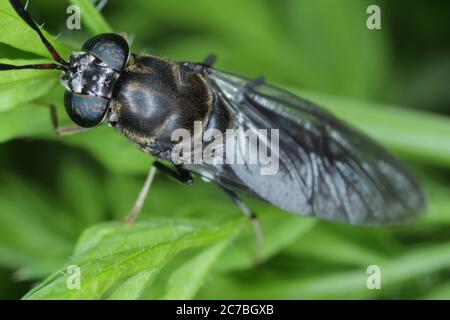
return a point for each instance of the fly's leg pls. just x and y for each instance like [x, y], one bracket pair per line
[179, 174]
[66, 130]
[210, 60]
[132, 216]
[256, 224]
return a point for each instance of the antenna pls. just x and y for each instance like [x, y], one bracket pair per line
[21, 11]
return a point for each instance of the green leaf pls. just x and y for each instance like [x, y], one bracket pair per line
[439, 202]
[80, 191]
[320, 242]
[31, 222]
[16, 33]
[134, 286]
[26, 120]
[418, 135]
[114, 257]
[117, 153]
[186, 280]
[413, 265]
[332, 35]
[279, 231]
[19, 86]
[93, 20]
[441, 292]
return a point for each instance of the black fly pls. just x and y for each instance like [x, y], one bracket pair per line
[326, 169]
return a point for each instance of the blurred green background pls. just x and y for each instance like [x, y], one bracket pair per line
[392, 83]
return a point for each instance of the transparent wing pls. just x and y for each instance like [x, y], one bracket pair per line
[326, 168]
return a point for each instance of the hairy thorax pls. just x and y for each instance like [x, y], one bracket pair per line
[155, 96]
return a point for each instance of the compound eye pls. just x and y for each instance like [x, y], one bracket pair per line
[86, 111]
[110, 48]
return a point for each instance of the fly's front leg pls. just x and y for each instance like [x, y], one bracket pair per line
[178, 174]
[66, 130]
[256, 224]
[210, 60]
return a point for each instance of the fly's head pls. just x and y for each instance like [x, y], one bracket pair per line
[90, 77]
